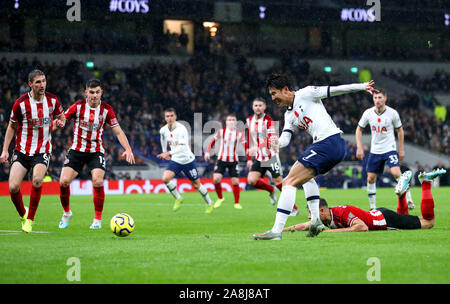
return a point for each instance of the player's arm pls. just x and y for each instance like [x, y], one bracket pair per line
[357, 225]
[247, 148]
[9, 135]
[164, 155]
[330, 91]
[60, 120]
[298, 227]
[401, 142]
[211, 145]
[123, 140]
[359, 146]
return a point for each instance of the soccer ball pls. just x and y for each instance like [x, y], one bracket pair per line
[122, 224]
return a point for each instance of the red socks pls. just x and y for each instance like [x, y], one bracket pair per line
[218, 187]
[99, 199]
[260, 184]
[402, 207]
[236, 192]
[65, 197]
[18, 202]
[427, 205]
[35, 197]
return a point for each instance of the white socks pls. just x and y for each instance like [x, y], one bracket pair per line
[205, 194]
[372, 193]
[173, 189]
[312, 196]
[284, 207]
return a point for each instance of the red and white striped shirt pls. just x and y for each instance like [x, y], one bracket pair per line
[257, 135]
[229, 142]
[34, 123]
[344, 216]
[89, 125]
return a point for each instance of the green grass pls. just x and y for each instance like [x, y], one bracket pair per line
[189, 246]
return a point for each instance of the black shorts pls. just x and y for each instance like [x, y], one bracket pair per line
[76, 160]
[273, 165]
[232, 167]
[400, 221]
[30, 161]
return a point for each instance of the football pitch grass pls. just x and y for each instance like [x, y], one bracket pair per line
[189, 246]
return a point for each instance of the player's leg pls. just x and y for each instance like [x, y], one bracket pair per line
[172, 170]
[298, 175]
[402, 207]
[16, 176]
[190, 170]
[372, 189]
[254, 179]
[277, 178]
[427, 204]
[217, 178]
[319, 158]
[39, 171]
[73, 165]
[204, 192]
[99, 196]
[397, 173]
[236, 192]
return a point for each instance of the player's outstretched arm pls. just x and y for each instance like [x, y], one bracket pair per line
[8, 138]
[123, 140]
[298, 227]
[330, 91]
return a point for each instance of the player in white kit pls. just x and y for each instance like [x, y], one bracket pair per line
[181, 159]
[306, 111]
[383, 120]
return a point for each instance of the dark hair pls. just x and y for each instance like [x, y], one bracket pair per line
[382, 91]
[93, 83]
[231, 114]
[35, 73]
[323, 203]
[278, 81]
[260, 99]
[170, 110]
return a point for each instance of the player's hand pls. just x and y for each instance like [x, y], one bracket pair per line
[249, 164]
[164, 155]
[401, 154]
[359, 153]
[4, 157]
[207, 156]
[129, 157]
[274, 142]
[370, 89]
[60, 123]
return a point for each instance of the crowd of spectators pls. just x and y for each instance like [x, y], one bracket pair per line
[204, 87]
[438, 82]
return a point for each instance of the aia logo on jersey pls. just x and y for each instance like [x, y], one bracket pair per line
[303, 124]
[379, 129]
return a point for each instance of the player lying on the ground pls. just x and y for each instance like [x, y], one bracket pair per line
[350, 218]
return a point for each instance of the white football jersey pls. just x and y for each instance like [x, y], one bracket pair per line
[178, 140]
[382, 127]
[309, 113]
